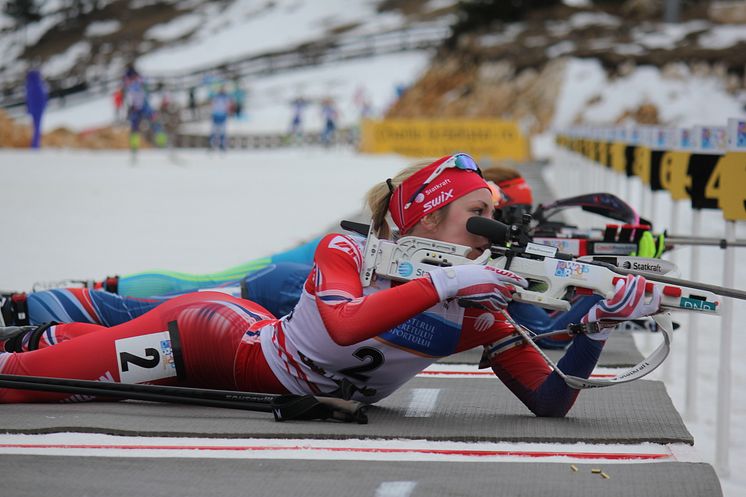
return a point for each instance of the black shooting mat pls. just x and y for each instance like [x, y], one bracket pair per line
[77, 476]
[458, 409]
[620, 351]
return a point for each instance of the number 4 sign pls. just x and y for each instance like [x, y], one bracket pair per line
[729, 179]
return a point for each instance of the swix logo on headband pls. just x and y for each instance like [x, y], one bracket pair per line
[444, 196]
[433, 187]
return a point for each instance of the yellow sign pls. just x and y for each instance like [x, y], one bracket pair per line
[589, 149]
[728, 184]
[673, 174]
[603, 153]
[433, 138]
[618, 159]
[641, 165]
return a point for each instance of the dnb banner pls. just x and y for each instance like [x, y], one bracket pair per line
[481, 138]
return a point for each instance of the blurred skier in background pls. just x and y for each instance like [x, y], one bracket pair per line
[36, 102]
[138, 108]
[298, 105]
[330, 115]
[221, 106]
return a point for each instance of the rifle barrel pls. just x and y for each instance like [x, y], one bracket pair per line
[716, 289]
[703, 240]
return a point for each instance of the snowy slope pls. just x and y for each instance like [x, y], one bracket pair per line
[209, 33]
[682, 99]
[250, 28]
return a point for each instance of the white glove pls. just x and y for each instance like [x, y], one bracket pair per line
[491, 287]
[628, 303]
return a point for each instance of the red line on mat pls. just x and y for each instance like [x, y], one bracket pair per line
[257, 448]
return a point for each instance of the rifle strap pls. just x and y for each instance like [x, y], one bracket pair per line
[645, 367]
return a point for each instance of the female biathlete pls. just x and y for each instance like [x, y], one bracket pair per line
[376, 337]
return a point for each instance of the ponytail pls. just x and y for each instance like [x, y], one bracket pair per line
[378, 198]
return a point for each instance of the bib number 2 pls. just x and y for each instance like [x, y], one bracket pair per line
[147, 358]
[371, 359]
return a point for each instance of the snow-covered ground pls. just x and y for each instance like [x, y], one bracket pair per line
[246, 27]
[72, 211]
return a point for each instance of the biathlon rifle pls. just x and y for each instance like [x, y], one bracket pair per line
[613, 239]
[552, 275]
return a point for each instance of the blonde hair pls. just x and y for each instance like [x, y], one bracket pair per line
[378, 198]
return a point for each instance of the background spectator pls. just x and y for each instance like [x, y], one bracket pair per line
[36, 102]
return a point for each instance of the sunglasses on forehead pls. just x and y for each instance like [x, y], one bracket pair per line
[459, 161]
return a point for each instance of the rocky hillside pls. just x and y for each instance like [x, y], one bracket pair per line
[515, 69]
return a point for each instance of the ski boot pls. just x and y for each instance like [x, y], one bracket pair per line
[22, 338]
[13, 309]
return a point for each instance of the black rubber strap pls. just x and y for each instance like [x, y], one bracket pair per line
[356, 227]
[35, 336]
[173, 332]
[244, 289]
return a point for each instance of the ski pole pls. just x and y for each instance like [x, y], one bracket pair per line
[283, 407]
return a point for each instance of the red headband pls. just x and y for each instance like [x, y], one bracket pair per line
[449, 185]
[517, 191]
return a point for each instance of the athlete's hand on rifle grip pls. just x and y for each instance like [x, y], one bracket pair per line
[484, 285]
[629, 302]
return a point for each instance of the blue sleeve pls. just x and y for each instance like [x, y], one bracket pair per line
[86, 306]
[555, 398]
[277, 287]
[540, 321]
[543, 391]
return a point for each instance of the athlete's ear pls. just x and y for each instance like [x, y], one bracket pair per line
[429, 222]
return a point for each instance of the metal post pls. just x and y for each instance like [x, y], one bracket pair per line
[595, 176]
[607, 179]
[653, 211]
[692, 336]
[674, 227]
[627, 188]
[722, 427]
[671, 11]
[642, 198]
